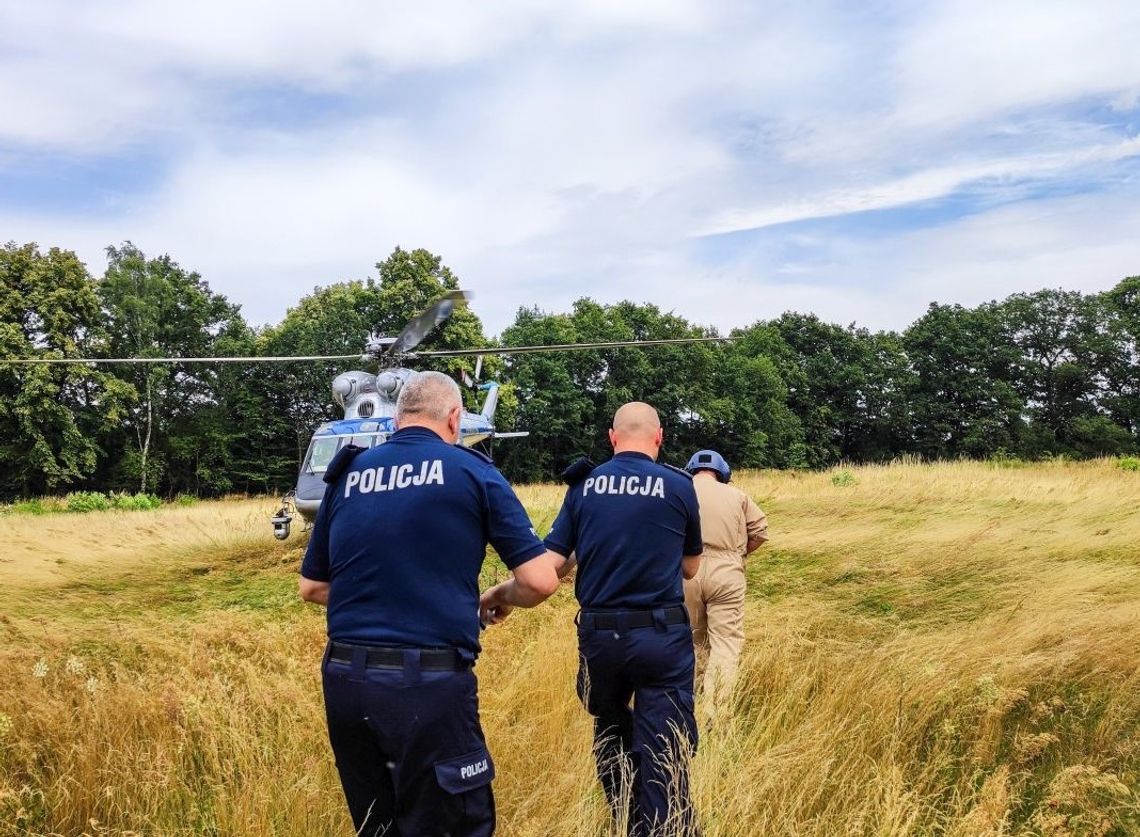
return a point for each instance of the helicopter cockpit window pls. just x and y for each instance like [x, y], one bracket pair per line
[323, 450]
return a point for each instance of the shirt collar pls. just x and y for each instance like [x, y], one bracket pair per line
[417, 432]
[634, 454]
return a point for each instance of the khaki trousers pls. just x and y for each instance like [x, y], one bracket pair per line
[715, 599]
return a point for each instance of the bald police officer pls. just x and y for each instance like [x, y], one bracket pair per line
[395, 554]
[732, 526]
[634, 528]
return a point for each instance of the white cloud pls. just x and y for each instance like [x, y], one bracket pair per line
[549, 151]
[971, 59]
[928, 184]
[101, 73]
[49, 104]
[1086, 243]
[1083, 242]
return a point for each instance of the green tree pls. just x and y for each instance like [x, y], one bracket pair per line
[50, 416]
[154, 308]
[674, 379]
[410, 280]
[1051, 371]
[1120, 364]
[337, 319]
[556, 411]
[747, 417]
[1062, 341]
[963, 397]
[568, 399]
[848, 388]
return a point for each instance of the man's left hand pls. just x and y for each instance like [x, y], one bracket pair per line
[492, 608]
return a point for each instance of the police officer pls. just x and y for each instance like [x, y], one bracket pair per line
[634, 528]
[733, 526]
[395, 554]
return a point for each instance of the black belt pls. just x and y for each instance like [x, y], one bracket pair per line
[431, 659]
[624, 619]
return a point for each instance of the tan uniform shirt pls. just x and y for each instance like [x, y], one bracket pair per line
[731, 522]
[732, 525]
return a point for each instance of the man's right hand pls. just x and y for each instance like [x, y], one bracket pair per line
[314, 591]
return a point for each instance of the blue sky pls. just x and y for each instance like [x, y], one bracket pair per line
[728, 161]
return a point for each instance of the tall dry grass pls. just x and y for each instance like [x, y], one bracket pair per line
[946, 649]
[58, 548]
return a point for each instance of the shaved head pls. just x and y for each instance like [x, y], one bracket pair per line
[636, 427]
[636, 418]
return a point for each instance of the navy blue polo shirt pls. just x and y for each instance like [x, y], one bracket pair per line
[400, 537]
[630, 522]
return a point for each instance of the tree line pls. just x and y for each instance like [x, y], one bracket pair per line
[1035, 375]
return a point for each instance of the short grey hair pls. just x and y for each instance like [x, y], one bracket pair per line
[429, 395]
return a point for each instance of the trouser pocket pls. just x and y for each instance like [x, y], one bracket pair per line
[465, 773]
[467, 806]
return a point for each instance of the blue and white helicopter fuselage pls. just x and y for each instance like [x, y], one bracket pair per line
[369, 403]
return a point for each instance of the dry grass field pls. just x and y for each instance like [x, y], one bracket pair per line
[947, 649]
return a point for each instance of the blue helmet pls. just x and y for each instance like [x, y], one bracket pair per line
[709, 460]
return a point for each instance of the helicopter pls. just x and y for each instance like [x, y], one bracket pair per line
[369, 399]
[369, 404]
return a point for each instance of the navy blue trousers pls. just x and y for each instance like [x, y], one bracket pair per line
[646, 748]
[409, 749]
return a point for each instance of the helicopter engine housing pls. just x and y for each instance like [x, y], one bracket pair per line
[356, 393]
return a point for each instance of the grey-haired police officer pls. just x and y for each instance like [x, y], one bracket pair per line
[395, 554]
[634, 527]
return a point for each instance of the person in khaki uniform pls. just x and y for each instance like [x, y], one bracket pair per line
[732, 526]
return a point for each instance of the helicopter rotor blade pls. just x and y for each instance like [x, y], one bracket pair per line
[41, 361]
[503, 350]
[424, 323]
[571, 347]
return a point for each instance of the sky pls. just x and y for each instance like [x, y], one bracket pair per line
[727, 161]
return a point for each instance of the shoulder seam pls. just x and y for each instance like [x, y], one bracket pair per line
[482, 457]
[677, 470]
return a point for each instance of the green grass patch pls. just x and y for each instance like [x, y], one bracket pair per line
[774, 574]
[186, 593]
[88, 501]
[135, 502]
[84, 502]
[32, 507]
[877, 602]
[244, 576]
[842, 479]
[1004, 459]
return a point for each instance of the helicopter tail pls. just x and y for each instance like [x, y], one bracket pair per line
[492, 401]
